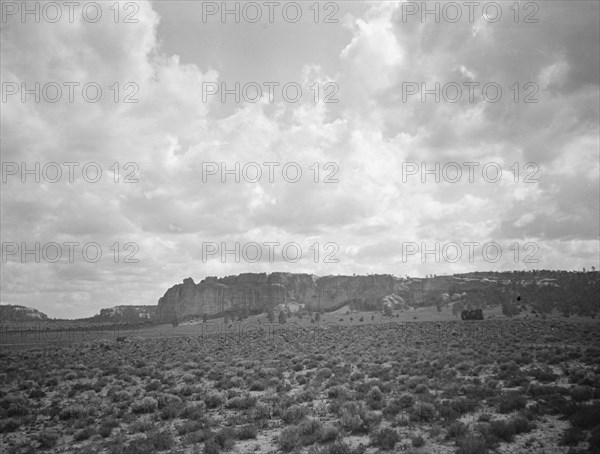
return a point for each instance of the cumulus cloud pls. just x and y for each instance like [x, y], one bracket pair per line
[361, 144]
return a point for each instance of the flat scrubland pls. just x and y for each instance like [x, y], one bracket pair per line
[424, 385]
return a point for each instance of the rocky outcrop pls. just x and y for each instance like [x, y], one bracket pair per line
[126, 314]
[259, 292]
[359, 292]
[16, 313]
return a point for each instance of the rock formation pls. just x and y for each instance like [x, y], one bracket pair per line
[16, 313]
[259, 292]
[253, 293]
[126, 314]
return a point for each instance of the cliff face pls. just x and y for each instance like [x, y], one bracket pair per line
[16, 313]
[126, 313]
[357, 291]
[258, 292]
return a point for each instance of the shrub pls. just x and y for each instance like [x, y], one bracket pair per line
[225, 438]
[385, 438]
[211, 447]
[200, 436]
[241, 403]
[511, 401]
[48, 439]
[375, 393]
[392, 408]
[140, 425]
[418, 441]
[83, 434]
[247, 432]
[522, 424]
[421, 388]
[258, 385]
[310, 431]
[595, 439]
[375, 398]
[503, 430]
[406, 400]
[194, 411]
[484, 417]
[36, 393]
[261, 414]
[358, 375]
[448, 412]
[72, 412]
[171, 410]
[105, 431]
[294, 414]
[166, 399]
[213, 400]
[581, 393]
[188, 378]
[471, 444]
[543, 375]
[329, 433]
[154, 385]
[14, 406]
[10, 425]
[355, 418]
[339, 392]
[107, 426]
[146, 405]
[423, 411]
[121, 396]
[324, 373]
[340, 447]
[586, 416]
[456, 430]
[463, 406]
[572, 436]
[289, 438]
[189, 426]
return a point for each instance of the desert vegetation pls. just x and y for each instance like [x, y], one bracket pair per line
[469, 387]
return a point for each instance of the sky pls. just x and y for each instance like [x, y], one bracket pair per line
[119, 171]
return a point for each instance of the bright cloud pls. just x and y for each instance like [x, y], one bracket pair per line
[363, 145]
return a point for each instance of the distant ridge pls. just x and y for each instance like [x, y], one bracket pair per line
[569, 292]
[125, 313]
[15, 313]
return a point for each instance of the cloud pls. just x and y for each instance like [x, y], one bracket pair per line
[166, 139]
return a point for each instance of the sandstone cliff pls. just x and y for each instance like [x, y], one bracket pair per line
[16, 313]
[258, 292]
[126, 314]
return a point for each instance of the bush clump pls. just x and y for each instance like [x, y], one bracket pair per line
[48, 439]
[471, 444]
[385, 438]
[146, 405]
[294, 413]
[511, 401]
[9, 425]
[289, 438]
[247, 432]
[423, 411]
[355, 418]
[457, 429]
